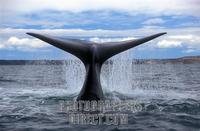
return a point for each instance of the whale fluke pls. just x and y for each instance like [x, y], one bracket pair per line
[75, 47]
[93, 55]
[110, 49]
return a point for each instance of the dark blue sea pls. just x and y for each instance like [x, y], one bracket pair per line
[169, 94]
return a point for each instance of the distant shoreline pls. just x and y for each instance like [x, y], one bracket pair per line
[181, 60]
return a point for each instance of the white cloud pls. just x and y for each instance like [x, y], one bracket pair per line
[155, 7]
[1, 46]
[168, 44]
[193, 39]
[7, 32]
[22, 43]
[154, 21]
[25, 42]
[189, 51]
[190, 41]
[187, 38]
[101, 40]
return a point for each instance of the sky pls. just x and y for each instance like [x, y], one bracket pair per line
[100, 21]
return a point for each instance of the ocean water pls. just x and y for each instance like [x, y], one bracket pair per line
[169, 94]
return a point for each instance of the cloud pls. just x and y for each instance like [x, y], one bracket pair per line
[154, 21]
[190, 41]
[189, 38]
[189, 51]
[24, 44]
[1, 46]
[7, 32]
[168, 44]
[155, 7]
[101, 40]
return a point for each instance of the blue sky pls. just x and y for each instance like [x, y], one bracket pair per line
[100, 21]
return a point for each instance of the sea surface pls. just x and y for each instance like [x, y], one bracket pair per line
[30, 96]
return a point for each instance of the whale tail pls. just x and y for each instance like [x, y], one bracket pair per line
[110, 49]
[75, 47]
[81, 48]
[93, 55]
